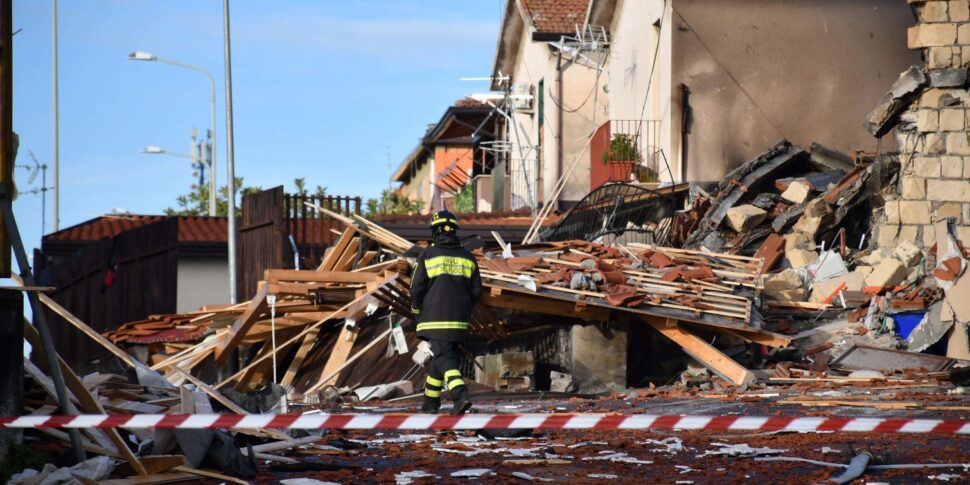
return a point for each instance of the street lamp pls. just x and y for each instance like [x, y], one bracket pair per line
[198, 161]
[147, 56]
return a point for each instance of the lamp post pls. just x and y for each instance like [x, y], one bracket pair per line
[197, 160]
[145, 56]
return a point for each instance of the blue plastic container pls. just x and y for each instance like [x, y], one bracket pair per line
[906, 322]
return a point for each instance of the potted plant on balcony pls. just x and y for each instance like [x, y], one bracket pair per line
[622, 157]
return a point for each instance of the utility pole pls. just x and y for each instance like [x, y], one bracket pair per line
[57, 154]
[230, 161]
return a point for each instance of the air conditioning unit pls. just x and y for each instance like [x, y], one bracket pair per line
[523, 97]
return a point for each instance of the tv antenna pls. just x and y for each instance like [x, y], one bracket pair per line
[36, 168]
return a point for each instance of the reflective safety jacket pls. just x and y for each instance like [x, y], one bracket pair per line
[445, 286]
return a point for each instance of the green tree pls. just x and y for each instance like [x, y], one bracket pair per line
[465, 199]
[300, 184]
[391, 202]
[196, 202]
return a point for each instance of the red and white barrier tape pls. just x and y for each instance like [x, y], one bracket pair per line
[493, 421]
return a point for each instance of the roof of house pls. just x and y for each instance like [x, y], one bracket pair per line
[533, 20]
[192, 229]
[556, 16]
[454, 127]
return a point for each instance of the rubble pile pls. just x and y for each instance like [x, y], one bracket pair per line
[775, 270]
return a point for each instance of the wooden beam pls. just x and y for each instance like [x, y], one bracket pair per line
[300, 356]
[232, 340]
[548, 306]
[770, 339]
[83, 327]
[705, 353]
[338, 356]
[277, 275]
[87, 402]
[347, 259]
[326, 378]
[337, 250]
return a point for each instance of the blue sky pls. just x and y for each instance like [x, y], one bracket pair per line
[322, 90]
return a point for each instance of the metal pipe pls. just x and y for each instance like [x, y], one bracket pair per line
[559, 124]
[230, 167]
[56, 157]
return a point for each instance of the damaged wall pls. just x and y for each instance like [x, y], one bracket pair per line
[761, 71]
[932, 131]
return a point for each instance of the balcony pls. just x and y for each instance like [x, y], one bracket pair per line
[625, 151]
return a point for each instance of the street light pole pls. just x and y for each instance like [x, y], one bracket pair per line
[56, 158]
[231, 183]
[144, 56]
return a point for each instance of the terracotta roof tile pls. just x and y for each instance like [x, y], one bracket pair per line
[191, 228]
[557, 16]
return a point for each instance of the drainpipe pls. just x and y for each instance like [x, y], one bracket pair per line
[685, 114]
[559, 135]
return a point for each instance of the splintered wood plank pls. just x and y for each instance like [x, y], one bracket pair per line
[155, 464]
[300, 356]
[86, 400]
[232, 340]
[347, 259]
[83, 327]
[337, 250]
[341, 350]
[705, 353]
[210, 474]
[329, 377]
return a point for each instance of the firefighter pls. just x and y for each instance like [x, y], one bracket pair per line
[445, 286]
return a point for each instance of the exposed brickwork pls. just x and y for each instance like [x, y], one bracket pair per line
[933, 132]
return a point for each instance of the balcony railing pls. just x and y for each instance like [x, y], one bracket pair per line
[625, 151]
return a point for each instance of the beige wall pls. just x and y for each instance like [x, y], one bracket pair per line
[417, 187]
[201, 281]
[585, 101]
[633, 42]
[803, 70]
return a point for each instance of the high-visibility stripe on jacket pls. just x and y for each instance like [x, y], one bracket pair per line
[445, 286]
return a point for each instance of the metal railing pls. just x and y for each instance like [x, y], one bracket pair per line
[312, 232]
[635, 141]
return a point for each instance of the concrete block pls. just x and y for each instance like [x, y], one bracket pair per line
[950, 77]
[950, 209]
[887, 235]
[963, 34]
[891, 210]
[935, 143]
[959, 10]
[934, 12]
[963, 234]
[907, 253]
[908, 233]
[889, 272]
[801, 257]
[927, 35]
[951, 167]
[797, 240]
[928, 238]
[913, 188]
[512, 370]
[939, 57]
[930, 98]
[853, 281]
[966, 167]
[863, 272]
[927, 120]
[957, 143]
[964, 56]
[785, 280]
[952, 119]
[599, 357]
[914, 212]
[745, 217]
[927, 167]
[948, 190]
[797, 192]
[876, 256]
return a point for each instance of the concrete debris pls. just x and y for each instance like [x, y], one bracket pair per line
[906, 88]
[797, 192]
[473, 473]
[745, 217]
[886, 274]
[407, 478]
[740, 450]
